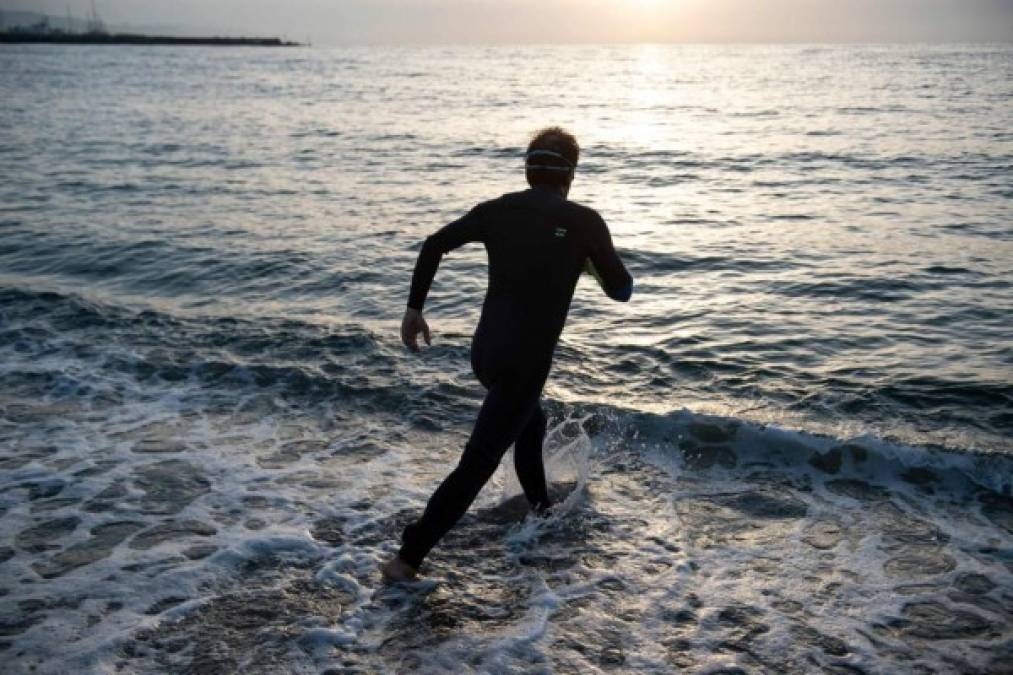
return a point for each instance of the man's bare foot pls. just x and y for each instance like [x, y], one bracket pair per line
[396, 570]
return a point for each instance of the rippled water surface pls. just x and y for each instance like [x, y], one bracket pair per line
[788, 453]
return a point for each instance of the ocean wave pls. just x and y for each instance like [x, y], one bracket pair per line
[64, 345]
[169, 267]
[704, 442]
[663, 262]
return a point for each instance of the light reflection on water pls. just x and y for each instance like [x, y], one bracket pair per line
[788, 211]
[820, 238]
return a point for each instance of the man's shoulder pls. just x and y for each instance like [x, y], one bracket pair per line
[585, 214]
[509, 201]
[511, 197]
[576, 211]
[498, 202]
[584, 210]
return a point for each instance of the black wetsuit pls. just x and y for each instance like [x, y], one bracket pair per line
[538, 244]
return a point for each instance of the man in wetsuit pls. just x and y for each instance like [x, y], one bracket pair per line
[538, 243]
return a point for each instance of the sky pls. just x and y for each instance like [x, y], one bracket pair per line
[338, 22]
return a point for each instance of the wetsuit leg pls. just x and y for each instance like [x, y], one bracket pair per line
[508, 405]
[528, 460]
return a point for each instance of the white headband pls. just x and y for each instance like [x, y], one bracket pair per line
[544, 167]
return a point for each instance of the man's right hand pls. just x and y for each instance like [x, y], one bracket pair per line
[411, 325]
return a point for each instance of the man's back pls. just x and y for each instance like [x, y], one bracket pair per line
[538, 243]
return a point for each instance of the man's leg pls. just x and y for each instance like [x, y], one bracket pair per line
[504, 414]
[528, 460]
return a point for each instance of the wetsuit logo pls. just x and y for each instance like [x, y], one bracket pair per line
[560, 231]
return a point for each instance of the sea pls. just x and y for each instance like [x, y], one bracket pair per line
[790, 452]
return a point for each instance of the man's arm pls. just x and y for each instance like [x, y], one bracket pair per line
[463, 230]
[604, 263]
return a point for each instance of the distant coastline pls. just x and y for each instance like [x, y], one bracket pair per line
[53, 37]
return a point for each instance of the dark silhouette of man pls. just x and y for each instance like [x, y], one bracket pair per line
[538, 243]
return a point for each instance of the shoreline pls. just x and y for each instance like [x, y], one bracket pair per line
[136, 39]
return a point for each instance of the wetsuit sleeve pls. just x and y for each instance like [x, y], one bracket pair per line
[468, 228]
[604, 263]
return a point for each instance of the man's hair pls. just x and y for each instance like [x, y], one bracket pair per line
[551, 158]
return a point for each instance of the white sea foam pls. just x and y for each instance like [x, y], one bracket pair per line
[651, 529]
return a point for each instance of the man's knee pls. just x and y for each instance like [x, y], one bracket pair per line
[480, 458]
[534, 429]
